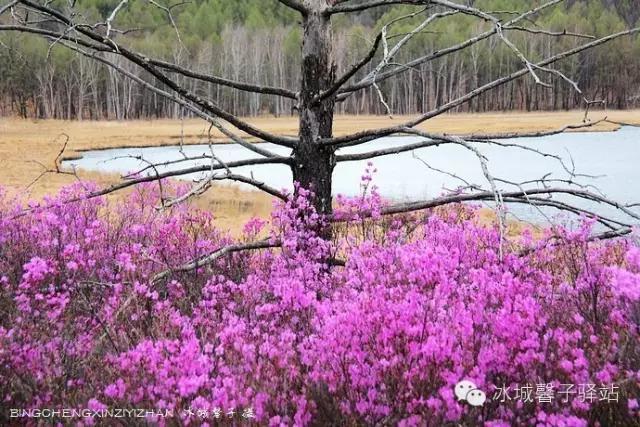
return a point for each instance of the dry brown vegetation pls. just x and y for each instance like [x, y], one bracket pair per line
[27, 147]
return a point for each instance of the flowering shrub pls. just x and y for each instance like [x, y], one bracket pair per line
[421, 303]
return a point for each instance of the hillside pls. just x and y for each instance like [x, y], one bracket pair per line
[258, 41]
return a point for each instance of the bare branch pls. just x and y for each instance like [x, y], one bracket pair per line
[56, 164]
[507, 195]
[621, 123]
[364, 83]
[520, 56]
[468, 10]
[565, 207]
[533, 67]
[549, 33]
[243, 86]
[163, 175]
[167, 10]
[191, 170]
[351, 72]
[252, 147]
[199, 189]
[389, 151]
[434, 140]
[390, 53]
[143, 62]
[295, 5]
[499, 196]
[559, 240]
[205, 183]
[512, 135]
[348, 8]
[163, 164]
[561, 75]
[247, 87]
[260, 185]
[8, 6]
[611, 234]
[111, 17]
[456, 177]
[56, 161]
[54, 35]
[368, 135]
[219, 253]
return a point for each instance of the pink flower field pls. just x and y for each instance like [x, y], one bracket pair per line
[373, 327]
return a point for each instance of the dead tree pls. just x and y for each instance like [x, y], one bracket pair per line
[315, 150]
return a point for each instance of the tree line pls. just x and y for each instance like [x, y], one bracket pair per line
[258, 42]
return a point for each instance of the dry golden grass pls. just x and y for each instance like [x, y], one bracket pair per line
[513, 228]
[29, 146]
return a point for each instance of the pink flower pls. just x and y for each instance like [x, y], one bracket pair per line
[422, 302]
[96, 405]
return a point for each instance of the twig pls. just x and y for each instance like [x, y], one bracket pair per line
[208, 259]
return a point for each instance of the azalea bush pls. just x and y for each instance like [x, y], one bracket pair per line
[421, 302]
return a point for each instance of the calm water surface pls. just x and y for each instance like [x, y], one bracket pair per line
[611, 159]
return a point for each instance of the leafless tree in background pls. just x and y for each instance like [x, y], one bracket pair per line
[315, 150]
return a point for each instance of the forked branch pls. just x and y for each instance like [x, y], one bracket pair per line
[368, 135]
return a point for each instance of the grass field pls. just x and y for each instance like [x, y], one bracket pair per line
[27, 147]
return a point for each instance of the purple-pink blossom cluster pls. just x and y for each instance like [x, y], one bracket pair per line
[420, 303]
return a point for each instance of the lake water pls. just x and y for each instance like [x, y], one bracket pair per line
[612, 158]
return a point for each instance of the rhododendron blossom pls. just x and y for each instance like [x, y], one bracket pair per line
[421, 302]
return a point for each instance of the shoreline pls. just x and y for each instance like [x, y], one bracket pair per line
[255, 141]
[111, 134]
[28, 148]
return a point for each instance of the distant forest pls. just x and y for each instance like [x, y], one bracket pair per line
[258, 41]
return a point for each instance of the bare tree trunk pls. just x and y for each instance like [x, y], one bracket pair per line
[313, 163]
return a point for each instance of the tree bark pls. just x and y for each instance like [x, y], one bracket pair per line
[313, 163]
